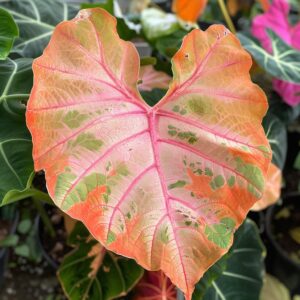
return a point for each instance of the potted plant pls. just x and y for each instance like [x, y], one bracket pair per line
[163, 182]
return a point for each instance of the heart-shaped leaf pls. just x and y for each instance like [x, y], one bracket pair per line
[166, 185]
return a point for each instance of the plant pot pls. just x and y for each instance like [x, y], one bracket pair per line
[4, 252]
[280, 220]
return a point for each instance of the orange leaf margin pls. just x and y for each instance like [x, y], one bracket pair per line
[272, 189]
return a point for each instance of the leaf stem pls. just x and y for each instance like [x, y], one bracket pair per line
[226, 16]
[44, 216]
[41, 196]
[180, 295]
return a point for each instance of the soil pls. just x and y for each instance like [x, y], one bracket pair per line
[27, 281]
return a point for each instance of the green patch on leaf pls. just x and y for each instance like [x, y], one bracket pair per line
[111, 237]
[218, 181]
[252, 173]
[208, 172]
[231, 181]
[221, 233]
[86, 140]
[189, 136]
[199, 106]
[164, 236]
[122, 169]
[177, 184]
[73, 119]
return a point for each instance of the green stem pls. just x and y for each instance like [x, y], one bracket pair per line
[39, 195]
[44, 216]
[226, 16]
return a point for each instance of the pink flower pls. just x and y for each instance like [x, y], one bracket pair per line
[276, 19]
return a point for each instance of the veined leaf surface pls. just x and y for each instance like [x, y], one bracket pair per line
[91, 272]
[36, 20]
[15, 142]
[284, 63]
[155, 286]
[277, 136]
[242, 278]
[166, 185]
[272, 189]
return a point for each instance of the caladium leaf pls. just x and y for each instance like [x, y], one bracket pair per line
[36, 20]
[166, 185]
[15, 142]
[91, 272]
[155, 286]
[8, 31]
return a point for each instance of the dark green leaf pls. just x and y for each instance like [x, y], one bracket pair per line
[276, 133]
[8, 32]
[283, 111]
[297, 162]
[152, 97]
[239, 274]
[91, 272]
[36, 20]
[169, 45]
[284, 63]
[124, 31]
[15, 141]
